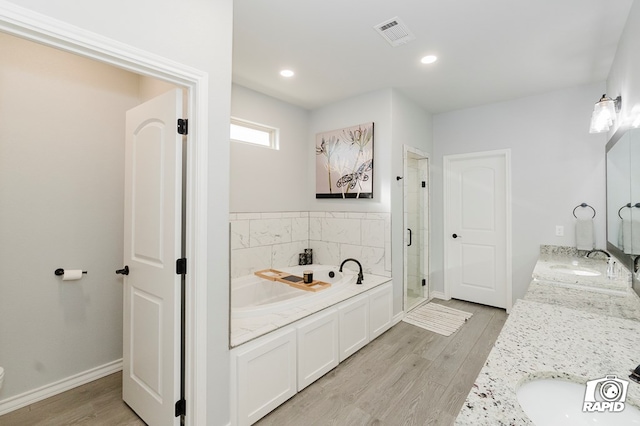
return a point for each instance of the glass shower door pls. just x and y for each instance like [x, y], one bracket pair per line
[415, 207]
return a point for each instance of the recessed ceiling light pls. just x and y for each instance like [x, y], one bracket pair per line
[287, 73]
[429, 59]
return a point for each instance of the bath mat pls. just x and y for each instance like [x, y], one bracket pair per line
[437, 318]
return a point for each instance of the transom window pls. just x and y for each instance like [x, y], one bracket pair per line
[253, 133]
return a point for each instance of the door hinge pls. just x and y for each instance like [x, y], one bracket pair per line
[181, 266]
[183, 126]
[424, 184]
[181, 408]
[424, 282]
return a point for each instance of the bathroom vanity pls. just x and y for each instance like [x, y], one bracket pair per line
[574, 324]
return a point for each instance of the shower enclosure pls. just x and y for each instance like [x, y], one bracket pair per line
[416, 220]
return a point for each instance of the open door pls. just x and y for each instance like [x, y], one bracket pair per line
[152, 244]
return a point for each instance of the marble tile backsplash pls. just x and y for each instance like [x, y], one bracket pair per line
[335, 236]
[273, 240]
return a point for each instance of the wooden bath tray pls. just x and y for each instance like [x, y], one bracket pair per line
[291, 280]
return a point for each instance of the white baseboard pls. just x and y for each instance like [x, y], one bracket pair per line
[438, 295]
[397, 318]
[35, 395]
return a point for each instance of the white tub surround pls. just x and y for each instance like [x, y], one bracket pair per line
[267, 240]
[283, 338]
[258, 310]
[254, 296]
[274, 240]
[272, 368]
[335, 236]
[577, 334]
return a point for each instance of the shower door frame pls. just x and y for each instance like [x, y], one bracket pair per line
[424, 232]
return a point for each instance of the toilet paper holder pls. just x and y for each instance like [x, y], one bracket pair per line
[59, 272]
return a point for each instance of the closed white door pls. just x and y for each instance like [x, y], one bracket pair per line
[477, 221]
[152, 243]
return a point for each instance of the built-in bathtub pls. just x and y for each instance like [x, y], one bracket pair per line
[283, 339]
[252, 296]
[260, 306]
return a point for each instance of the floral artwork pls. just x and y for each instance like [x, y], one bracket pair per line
[344, 163]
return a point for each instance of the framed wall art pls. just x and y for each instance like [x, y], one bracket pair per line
[344, 162]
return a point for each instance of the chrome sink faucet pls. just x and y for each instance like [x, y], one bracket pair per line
[360, 275]
[598, 251]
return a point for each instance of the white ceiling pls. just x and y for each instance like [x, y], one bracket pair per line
[488, 50]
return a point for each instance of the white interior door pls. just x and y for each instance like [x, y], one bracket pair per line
[152, 243]
[477, 221]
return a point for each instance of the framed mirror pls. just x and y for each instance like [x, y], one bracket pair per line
[623, 195]
[618, 192]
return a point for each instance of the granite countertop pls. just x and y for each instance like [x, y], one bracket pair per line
[246, 329]
[557, 331]
[550, 267]
[612, 305]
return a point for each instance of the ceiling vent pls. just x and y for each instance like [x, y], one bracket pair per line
[395, 32]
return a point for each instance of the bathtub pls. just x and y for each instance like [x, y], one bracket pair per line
[252, 296]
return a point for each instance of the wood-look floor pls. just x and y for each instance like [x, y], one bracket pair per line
[407, 376]
[97, 403]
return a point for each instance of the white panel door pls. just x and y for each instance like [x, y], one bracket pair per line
[151, 329]
[476, 220]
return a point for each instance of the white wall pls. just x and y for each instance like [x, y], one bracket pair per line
[198, 34]
[288, 184]
[149, 88]
[264, 179]
[62, 194]
[412, 126]
[376, 107]
[398, 121]
[556, 164]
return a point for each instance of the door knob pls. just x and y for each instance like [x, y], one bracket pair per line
[410, 237]
[123, 271]
[456, 236]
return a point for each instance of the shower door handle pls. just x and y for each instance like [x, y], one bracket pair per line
[410, 237]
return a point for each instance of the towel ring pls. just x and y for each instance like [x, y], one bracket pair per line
[587, 205]
[628, 205]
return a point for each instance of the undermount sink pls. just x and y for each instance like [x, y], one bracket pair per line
[576, 270]
[550, 402]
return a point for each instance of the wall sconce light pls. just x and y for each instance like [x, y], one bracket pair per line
[604, 114]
